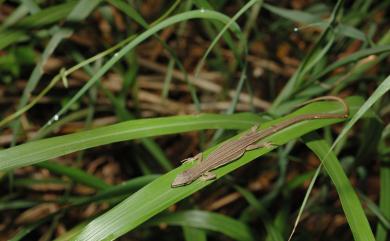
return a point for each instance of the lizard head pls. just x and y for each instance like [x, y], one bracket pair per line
[182, 179]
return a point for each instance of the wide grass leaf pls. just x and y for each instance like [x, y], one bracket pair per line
[158, 195]
[42, 150]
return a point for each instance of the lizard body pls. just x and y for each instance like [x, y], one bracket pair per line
[234, 149]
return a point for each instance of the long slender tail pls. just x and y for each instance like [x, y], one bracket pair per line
[330, 97]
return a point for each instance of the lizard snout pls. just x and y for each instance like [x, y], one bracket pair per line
[181, 180]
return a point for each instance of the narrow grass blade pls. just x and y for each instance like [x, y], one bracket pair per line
[293, 15]
[75, 174]
[378, 93]
[206, 220]
[352, 207]
[354, 57]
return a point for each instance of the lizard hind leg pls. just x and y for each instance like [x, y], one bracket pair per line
[260, 145]
[253, 129]
[208, 176]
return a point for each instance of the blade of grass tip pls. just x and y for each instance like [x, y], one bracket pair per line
[351, 205]
[151, 31]
[206, 220]
[17, 14]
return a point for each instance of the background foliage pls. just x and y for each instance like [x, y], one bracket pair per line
[100, 100]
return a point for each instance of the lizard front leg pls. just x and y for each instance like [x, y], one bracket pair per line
[252, 130]
[208, 176]
[198, 157]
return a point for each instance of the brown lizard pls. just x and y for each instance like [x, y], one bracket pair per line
[234, 149]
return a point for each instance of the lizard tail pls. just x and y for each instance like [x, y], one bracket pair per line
[328, 97]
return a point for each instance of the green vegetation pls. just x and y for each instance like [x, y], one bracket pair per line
[100, 100]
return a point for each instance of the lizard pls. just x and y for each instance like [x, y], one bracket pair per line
[234, 149]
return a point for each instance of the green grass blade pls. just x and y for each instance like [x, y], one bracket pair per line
[149, 144]
[206, 220]
[130, 11]
[124, 188]
[75, 174]
[314, 20]
[354, 57]
[82, 10]
[375, 210]
[352, 207]
[378, 93]
[382, 232]
[20, 12]
[194, 234]
[293, 15]
[159, 195]
[42, 150]
[47, 16]
[8, 37]
[384, 202]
